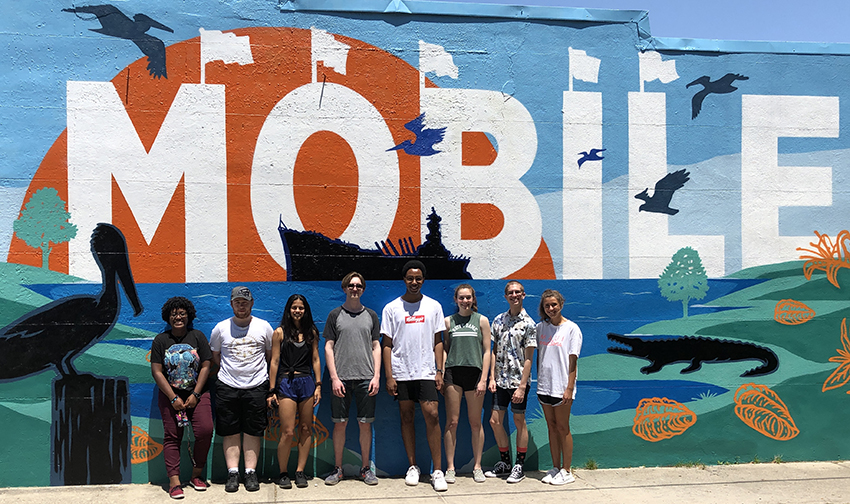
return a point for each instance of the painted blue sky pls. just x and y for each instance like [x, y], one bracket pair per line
[770, 20]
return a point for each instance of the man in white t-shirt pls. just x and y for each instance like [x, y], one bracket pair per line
[412, 328]
[241, 347]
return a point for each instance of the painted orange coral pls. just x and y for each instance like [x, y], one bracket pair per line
[841, 375]
[272, 433]
[790, 312]
[142, 447]
[761, 409]
[827, 256]
[660, 418]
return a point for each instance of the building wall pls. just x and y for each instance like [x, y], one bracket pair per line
[280, 145]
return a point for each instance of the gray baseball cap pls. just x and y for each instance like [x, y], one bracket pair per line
[241, 292]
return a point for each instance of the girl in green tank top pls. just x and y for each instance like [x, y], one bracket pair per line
[465, 350]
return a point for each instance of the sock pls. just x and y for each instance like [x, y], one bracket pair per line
[249, 471]
[505, 453]
[520, 455]
[233, 470]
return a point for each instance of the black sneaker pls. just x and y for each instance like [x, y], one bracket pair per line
[301, 479]
[283, 481]
[232, 484]
[252, 484]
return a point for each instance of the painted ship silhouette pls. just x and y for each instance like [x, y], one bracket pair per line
[314, 256]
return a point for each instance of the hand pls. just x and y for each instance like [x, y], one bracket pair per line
[317, 396]
[438, 380]
[374, 385]
[518, 395]
[271, 401]
[392, 386]
[191, 402]
[480, 389]
[178, 404]
[568, 395]
[492, 386]
[337, 387]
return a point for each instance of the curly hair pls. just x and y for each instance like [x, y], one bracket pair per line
[178, 303]
[308, 328]
[547, 294]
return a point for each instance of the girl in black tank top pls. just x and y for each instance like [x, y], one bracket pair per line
[296, 369]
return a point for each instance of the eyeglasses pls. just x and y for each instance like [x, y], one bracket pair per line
[355, 286]
[179, 314]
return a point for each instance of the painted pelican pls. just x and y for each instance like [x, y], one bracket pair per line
[54, 334]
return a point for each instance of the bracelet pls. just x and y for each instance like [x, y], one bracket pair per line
[439, 370]
[197, 395]
[175, 398]
[318, 383]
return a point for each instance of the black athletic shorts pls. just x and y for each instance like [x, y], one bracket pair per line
[465, 377]
[240, 410]
[417, 390]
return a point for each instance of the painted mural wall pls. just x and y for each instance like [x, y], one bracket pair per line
[688, 198]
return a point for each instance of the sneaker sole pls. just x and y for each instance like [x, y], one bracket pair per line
[515, 480]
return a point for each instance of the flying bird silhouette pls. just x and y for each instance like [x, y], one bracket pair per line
[115, 23]
[659, 202]
[593, 155]
[722, 85]
[54, 334]
[423, 145]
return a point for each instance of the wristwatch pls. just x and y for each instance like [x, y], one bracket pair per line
[197, 395]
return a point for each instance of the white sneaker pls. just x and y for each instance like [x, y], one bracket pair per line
[517, 474]
[562, 478]
[551, 473]
[438, 480]
[412, 477]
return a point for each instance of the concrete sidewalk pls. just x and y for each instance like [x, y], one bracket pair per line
[794, 482]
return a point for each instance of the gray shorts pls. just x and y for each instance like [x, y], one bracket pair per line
[359, 389]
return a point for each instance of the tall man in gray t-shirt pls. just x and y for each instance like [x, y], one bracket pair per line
[353, 356]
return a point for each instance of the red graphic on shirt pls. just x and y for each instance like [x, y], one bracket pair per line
[555, 340]
[414, 319]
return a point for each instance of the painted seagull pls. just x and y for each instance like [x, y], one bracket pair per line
[659, 202]
[722, 85]
[423, 145]
[115, 23]
[593, 155]
[54, 334]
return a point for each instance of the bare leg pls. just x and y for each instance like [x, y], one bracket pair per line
[474, 405]
[453, 395]
[432, 429]
[286, 410]
[232, 450]
[339, 441]
[497, 418]
[251, 448]
[408, 433]
[554, 439]
[365, 444]
[521, 431]
[305, 432]
[562, 416]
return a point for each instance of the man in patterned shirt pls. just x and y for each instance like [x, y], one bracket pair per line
[514, 341]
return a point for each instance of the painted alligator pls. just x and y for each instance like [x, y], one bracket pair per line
[693, 349]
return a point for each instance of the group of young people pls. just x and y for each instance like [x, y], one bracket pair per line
[423, 354]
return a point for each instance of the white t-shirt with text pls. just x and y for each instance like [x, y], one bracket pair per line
[412, 327]
[243, 352]
[555, 344]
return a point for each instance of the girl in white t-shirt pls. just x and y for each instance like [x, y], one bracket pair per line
[558, 347]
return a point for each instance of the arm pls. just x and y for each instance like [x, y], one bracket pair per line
[317, 370]
[337, 387]
[277, 337]
[216, 360]
[519, 393]
[165, 387]
[392, 386]
[485, 333]
[375, 382]
[571, 379]
[439, 357]
[492, 383]
[203, 374]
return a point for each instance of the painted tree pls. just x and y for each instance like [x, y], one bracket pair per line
[44, 220]
[684, 278]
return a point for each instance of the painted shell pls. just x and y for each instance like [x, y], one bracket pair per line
[790, 312]
[763, 410]
[142, 447]
[320, 432]
[660, 418]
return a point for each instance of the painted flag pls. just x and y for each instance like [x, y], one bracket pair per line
[226, 47]
[651, 68]
[582, 66]
[434, 58]
[328, 50]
